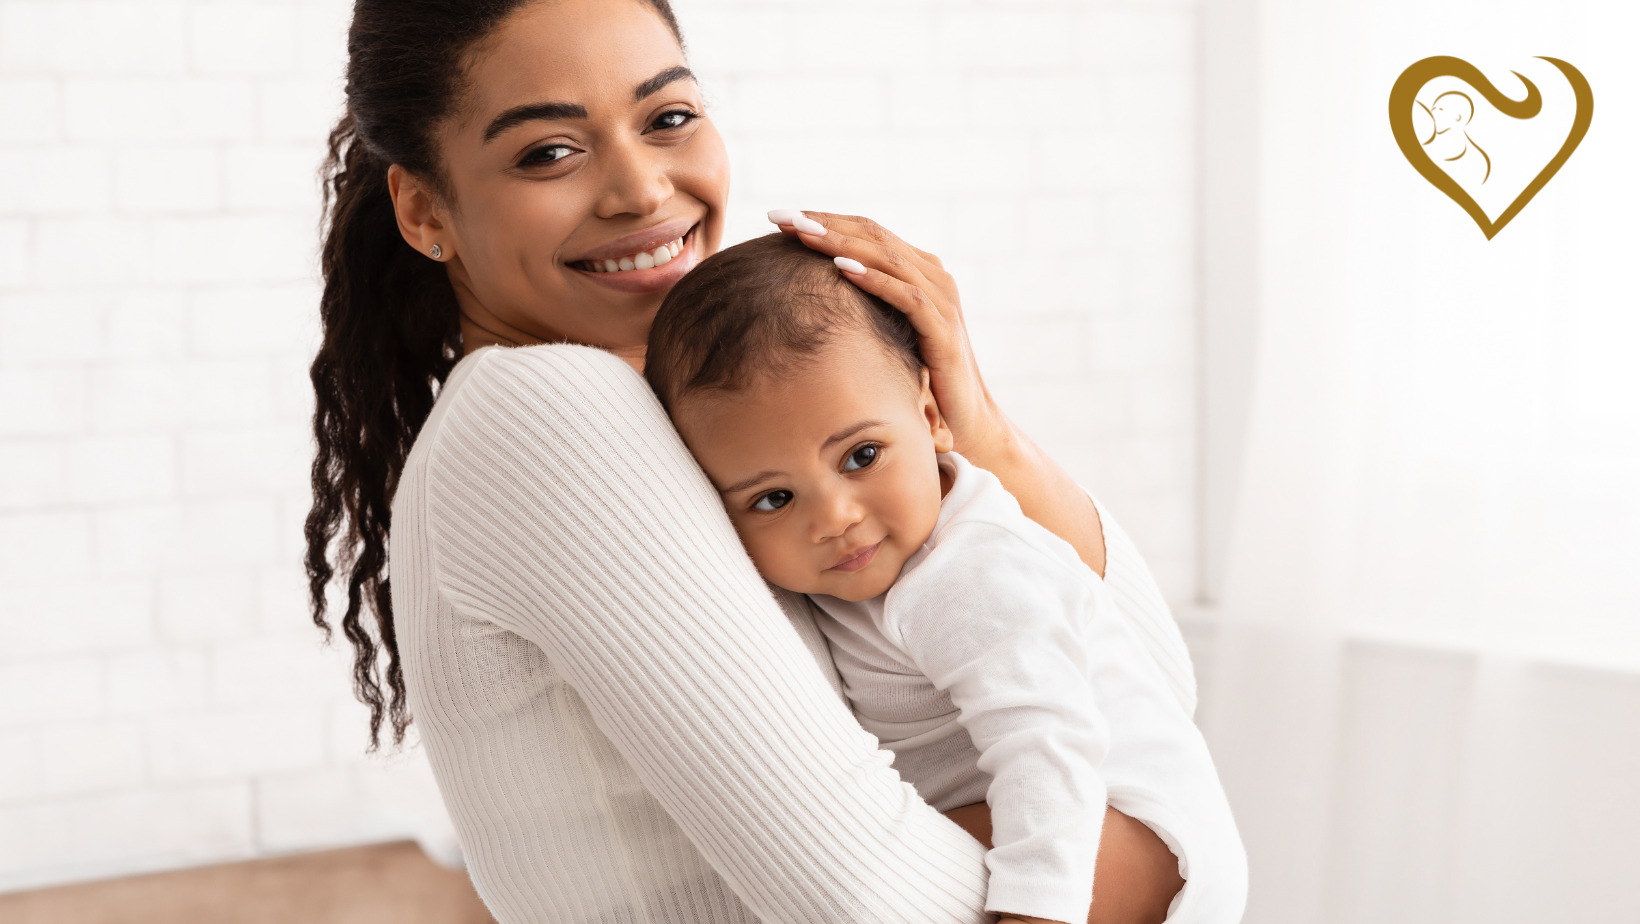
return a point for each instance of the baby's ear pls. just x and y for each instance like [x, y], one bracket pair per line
[943, 438]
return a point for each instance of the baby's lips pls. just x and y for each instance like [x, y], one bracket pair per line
[853, 561]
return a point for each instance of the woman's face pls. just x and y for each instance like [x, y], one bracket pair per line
[582, 143]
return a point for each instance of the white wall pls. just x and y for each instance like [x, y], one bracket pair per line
[1426, 670]
[163, 699]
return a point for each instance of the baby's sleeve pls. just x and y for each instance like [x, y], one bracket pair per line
[571, 514]
[998, 627]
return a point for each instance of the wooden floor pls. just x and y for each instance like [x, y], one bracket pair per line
[383, 884]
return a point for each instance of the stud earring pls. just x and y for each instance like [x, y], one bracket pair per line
[436, 252]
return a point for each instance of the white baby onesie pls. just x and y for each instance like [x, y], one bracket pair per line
[998, 669]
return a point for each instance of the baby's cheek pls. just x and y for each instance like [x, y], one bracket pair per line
[769, 558]
[921, 513]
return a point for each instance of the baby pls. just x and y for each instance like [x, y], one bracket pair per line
[972, 642]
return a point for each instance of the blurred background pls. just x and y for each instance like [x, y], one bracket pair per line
[1384, 469]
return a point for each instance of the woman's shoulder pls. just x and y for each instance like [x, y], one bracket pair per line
[496, 391]
[495, 371]
[545, 419]
[550, 355]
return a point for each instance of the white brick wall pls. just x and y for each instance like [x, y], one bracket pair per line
[164, 699]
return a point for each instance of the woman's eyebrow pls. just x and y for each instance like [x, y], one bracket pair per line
[532, 112]
[548, 112]
[654, 84]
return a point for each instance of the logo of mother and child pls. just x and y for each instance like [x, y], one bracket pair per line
[1484, 156]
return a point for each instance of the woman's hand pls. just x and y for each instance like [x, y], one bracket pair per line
[914, 282]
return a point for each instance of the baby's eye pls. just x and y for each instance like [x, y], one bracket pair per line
[860, 458]
[772, 501]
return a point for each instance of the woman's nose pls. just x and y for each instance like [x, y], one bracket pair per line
[635, 180]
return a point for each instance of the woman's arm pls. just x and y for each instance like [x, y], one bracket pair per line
[916, 283]
[1046, 493]
[573, 516]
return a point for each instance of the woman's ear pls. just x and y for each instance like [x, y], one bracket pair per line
[420, 215]
[943, 440]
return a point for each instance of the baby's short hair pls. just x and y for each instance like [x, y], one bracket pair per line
[758, 307]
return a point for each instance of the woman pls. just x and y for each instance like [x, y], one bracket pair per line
[622, 723]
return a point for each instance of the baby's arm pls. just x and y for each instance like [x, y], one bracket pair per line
[1136, 873]
[995, 624]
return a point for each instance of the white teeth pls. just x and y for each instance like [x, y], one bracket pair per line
[660, 256]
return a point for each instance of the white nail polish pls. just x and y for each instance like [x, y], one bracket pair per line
[850, 266]
[784, 216]
[808, 225]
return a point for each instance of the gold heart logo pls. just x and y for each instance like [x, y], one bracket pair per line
[1403, 105]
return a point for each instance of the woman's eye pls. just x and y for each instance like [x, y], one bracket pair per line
[860, 458]
[772, 501]
[677, 118]
[548, 154]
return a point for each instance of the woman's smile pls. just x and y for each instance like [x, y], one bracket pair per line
[647, 261]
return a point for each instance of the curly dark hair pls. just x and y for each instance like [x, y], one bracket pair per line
[389, 316]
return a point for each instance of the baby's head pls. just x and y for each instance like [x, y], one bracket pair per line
[805, 401]
[1452, 108]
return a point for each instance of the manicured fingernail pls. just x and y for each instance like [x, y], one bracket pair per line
[850, 266]
[808, 225]
[784, 216]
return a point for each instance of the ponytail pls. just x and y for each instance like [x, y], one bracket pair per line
[390, 335]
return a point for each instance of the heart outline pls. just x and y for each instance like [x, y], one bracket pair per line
[1405, 92]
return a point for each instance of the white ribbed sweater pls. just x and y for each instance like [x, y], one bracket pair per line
[624, 725]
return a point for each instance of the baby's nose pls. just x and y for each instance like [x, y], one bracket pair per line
[837, 513]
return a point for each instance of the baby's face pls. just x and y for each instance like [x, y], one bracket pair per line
[828, 470]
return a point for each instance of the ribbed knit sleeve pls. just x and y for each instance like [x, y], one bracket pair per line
[561, 506]
[1141, 602]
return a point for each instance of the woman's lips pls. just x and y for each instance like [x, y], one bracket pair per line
[859, 559]
[654, 279]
